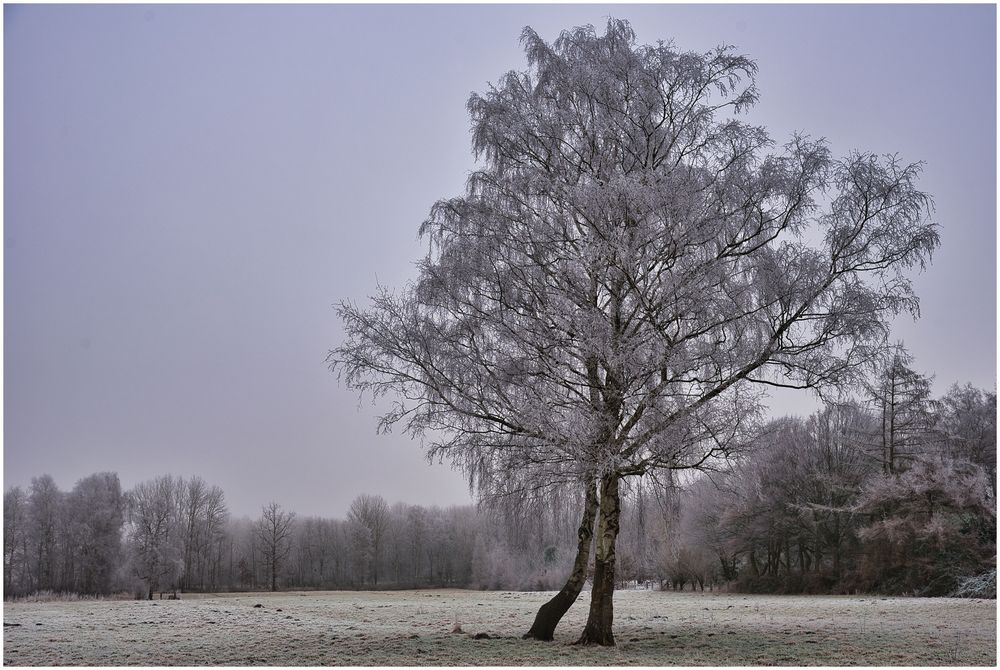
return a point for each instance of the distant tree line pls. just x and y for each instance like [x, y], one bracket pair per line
[893, 492]
[170, 535]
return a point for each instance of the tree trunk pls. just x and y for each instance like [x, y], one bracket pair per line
[836, 547]
[598, 628]
[552, 612]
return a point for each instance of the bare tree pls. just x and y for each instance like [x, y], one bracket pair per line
[273, 534]
[370, 514]
[213, 532]
[967, 422]
[95, 513]
[625, 269]
[193, 499]
[15, 565]
[699, 525]
[835, 470]
[155, 533]
[44, 507]
[202, 512]
[902, 399]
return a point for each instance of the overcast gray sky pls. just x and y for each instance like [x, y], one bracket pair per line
[189, 189]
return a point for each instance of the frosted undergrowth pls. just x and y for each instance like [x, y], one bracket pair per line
[980, 586]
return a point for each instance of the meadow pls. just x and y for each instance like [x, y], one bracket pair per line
[456, 627]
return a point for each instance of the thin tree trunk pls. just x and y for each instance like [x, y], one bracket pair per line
[599, 622]
[885, 447]
[892, 431]
[552, 612]
[836, 547]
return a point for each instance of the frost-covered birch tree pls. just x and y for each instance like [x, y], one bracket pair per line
[629, 265]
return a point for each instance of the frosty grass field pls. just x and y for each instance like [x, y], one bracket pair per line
[416, 628]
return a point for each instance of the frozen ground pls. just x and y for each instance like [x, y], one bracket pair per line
[415, 628]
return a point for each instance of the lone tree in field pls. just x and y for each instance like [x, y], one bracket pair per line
[627, 268]
[274, 537]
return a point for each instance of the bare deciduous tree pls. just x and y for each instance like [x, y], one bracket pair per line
[192, 502]
[967, 422]
[44, 507]
[15, 504]
[202, 513]
[213, 533]
[370, 514]
[95, 513]
[273, 534]
[623, 270]
[155, 535]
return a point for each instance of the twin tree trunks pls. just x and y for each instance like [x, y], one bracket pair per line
[599, 621]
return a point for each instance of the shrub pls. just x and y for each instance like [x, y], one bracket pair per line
[980, 586]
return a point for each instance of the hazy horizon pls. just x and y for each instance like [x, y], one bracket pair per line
[189, 190]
